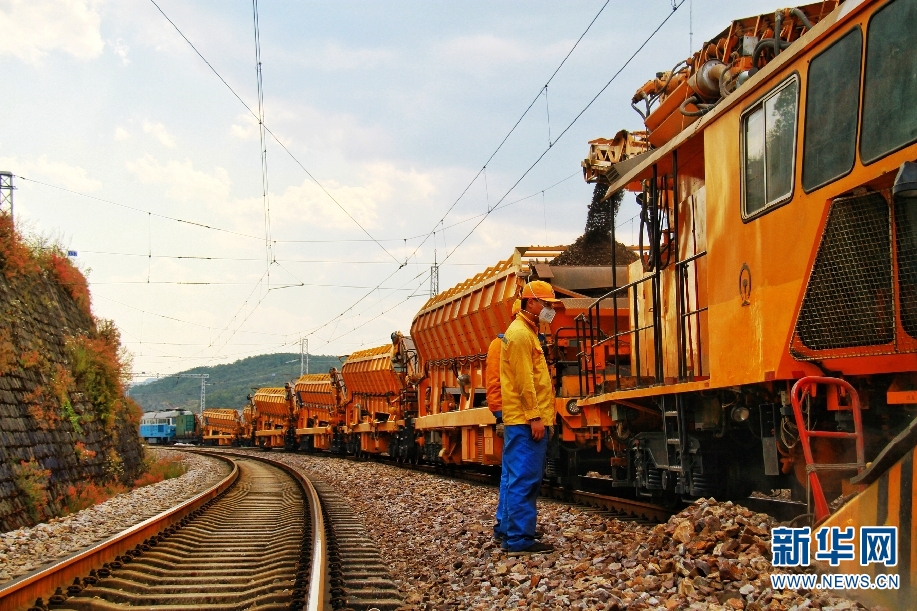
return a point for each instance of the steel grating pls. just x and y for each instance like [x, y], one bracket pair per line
[849, 301]
[906, 246]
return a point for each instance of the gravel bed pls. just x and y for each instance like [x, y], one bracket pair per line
[436, 535]
[26, 549]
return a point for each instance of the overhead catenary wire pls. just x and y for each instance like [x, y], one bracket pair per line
[271, 344]
[136, 209]
[234, 317]
[675, 8]
[276, 139]
[150, 256]
[254, 237]
[265, 185]
[499, 203]
[279, 286]
[413, 294]
[484, 216]
[543, 89]
[340, 316]
[455, 224]
[483, 168]
[172, 318]
[276, 258]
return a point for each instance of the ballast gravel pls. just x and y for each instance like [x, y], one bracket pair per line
[26, 549]
[436, 534]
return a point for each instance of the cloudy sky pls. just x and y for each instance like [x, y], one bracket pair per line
[118, 131]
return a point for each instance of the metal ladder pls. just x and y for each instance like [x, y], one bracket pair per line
[807, 387]
[674, 434]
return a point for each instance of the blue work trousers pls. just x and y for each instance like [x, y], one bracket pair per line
[499, 529]
[523, 470]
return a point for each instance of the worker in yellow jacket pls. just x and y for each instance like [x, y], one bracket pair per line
[528, 408]
[495, 403]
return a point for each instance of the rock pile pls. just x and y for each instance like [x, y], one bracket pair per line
[436, 533]
[25, 549]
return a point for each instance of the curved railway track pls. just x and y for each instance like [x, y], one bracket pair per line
[262, 537]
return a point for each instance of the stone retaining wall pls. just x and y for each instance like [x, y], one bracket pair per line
[38, 317]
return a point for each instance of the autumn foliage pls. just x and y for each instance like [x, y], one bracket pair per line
[15, 257]
[86, 494]
[70, 278]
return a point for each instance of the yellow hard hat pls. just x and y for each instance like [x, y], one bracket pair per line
[539, 289]
[517, 306]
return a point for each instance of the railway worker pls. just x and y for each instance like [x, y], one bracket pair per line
[495, 404]
[528, 409]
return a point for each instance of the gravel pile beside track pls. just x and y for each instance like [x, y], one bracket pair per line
[26, 549]
[436, 535]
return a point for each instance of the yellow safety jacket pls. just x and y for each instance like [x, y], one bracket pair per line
[525, 383]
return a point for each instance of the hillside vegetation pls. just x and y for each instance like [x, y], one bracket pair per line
[231, 382]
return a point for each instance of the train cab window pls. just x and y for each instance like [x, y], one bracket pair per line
[890, 83]
[832, 106]
[768, 142]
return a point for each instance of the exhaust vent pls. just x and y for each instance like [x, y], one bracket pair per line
[849, 301]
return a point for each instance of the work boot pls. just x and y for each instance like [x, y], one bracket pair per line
[535, 548]
[538, 535]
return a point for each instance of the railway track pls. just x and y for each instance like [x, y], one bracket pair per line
[263, 537]
[612, 506]
[593, 496]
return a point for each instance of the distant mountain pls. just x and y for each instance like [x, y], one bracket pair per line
[230, 383]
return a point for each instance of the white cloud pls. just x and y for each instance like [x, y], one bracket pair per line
[386, 179]
[33, 28]
[181, 180]
[121, 50]
[378, 195]
[158, 131]
[122, 134]
[308, 201]
[248, 130]
[57, 173]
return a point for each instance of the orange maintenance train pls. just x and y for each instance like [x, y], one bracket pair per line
[773, 312]
[765, 337]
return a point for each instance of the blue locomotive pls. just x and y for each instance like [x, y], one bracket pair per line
[169, 427]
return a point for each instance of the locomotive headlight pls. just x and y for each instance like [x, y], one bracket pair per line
[572, 408]
[740, 413]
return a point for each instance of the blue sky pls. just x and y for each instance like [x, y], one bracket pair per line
[392, 107]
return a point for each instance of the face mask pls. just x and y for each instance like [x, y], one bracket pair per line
[547, 315]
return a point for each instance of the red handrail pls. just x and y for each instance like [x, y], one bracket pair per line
[801, 389]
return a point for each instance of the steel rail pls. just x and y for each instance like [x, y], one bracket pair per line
[22, 593]
[315, 599]
[627, 507]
